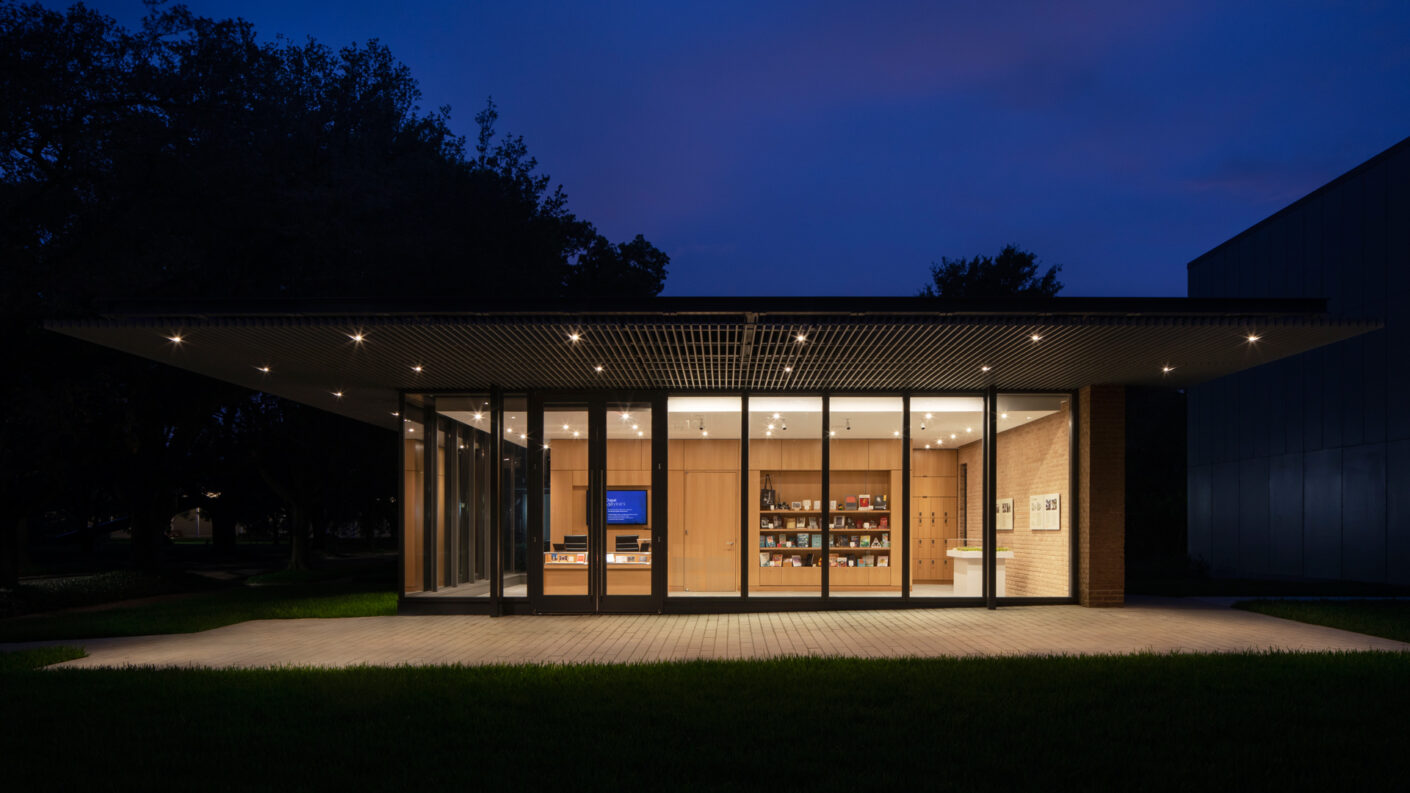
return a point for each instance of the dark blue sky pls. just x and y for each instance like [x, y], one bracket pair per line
[838, 148]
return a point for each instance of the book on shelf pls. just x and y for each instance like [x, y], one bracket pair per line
[850, 503]
[777, 560]
[863, 501]
[884, 561]
[880, 501]
[866, 541]
[868, 560]
[885, 523]
[797, 560]
[817, 540]
[791, 523]
[764, 559]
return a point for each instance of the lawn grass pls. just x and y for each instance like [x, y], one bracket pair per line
[1148, 722]
[204, 611]
[1386, 618]
[37, 657]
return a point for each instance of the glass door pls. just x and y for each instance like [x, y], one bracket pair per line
[599, 522]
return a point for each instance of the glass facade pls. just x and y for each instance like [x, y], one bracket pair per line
[865, 487]
[785, 474]
[1034, 474]
[845, 496]
[703, 496]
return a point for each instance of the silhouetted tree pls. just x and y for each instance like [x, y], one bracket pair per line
[1014, 272]
[189, 159]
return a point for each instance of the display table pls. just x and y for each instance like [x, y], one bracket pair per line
[969, 572]
[567, 573]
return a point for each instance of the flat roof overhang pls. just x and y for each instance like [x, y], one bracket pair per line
[855, 345]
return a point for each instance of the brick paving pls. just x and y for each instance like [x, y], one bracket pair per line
[1159, 625]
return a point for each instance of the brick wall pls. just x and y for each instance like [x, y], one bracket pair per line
[1101, 521]
[1033, 459]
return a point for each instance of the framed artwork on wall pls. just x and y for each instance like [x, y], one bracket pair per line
[1004, 514]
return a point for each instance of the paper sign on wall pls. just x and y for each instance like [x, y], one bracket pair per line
[1045, 512]
[1003, 510]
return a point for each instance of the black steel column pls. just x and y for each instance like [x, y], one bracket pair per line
[991, 445]
[451, 504]
[904, 548]
[495, 569]
[745, 552]
[826, 479]
[430, 504]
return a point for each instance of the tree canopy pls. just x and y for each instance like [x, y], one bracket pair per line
[1013, 273]
[188, 158]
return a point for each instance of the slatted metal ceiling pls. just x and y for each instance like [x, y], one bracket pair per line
[721, 345]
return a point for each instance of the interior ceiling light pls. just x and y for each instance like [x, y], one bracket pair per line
[984, 368]
[521, 436]
[1003, 415]
[626, 417]
[832, 432]
[636, 426]
[338, 394]
[598, 368]
[952, 436]
[575, 433]
[1036, 337]
[574, 336]
[800, 338]
[264, 369]
[396, 412]
[357, 337]
[640, 434]
[417, 368]
[479, 416]
[174, 338]
[930, 415]
[565, 426]
[787, 369]
[927, 446]
[775, 415]
[1252, 337]
[771, 426]
[969, 429]
[1167, 368]
[896, 432]
[768, 432]
[704, 432]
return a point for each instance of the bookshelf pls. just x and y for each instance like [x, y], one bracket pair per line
[794, 560]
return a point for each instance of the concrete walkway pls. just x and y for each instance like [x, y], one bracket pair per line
[1147, 624]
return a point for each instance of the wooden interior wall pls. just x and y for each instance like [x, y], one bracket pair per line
[703, 510]
[412, 533]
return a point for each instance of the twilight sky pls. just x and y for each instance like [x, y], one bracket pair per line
[812, 148]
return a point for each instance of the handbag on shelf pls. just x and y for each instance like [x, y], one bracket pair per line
[768, 497]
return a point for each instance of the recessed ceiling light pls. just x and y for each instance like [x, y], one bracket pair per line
[521, 436]
[575, 433]
[1167, 369]
[1003, 415]
[417, 368]
[574, 336]
[640, 434]
[174, 338]
[952, 436]
[1027, 418]
[800, 338]
[940, 441]
[896, 433]
[338, 394]
[771, 426]
[787, 369]
[357, 337]
[969, 429]
[704, 432]
[597, 368]
[396, 412]
[1254, 337]
[636, 426]
[264, 369]
[479, 416]
[927, 446]
[984, 368]
[565, 426]
[1036, 337]
[832, 432]
[930, 415]
[768, 432]
[775, 415]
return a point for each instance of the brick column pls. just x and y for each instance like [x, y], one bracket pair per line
[1101, 499]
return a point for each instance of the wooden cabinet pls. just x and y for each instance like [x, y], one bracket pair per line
[934, 514]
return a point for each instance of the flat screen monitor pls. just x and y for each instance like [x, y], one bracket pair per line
[626, 507]
[575, 542]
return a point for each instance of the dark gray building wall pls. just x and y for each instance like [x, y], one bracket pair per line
[1301, 468]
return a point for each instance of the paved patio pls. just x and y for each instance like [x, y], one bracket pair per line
[1160, 625]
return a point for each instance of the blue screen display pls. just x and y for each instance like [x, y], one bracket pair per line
[626, 507]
